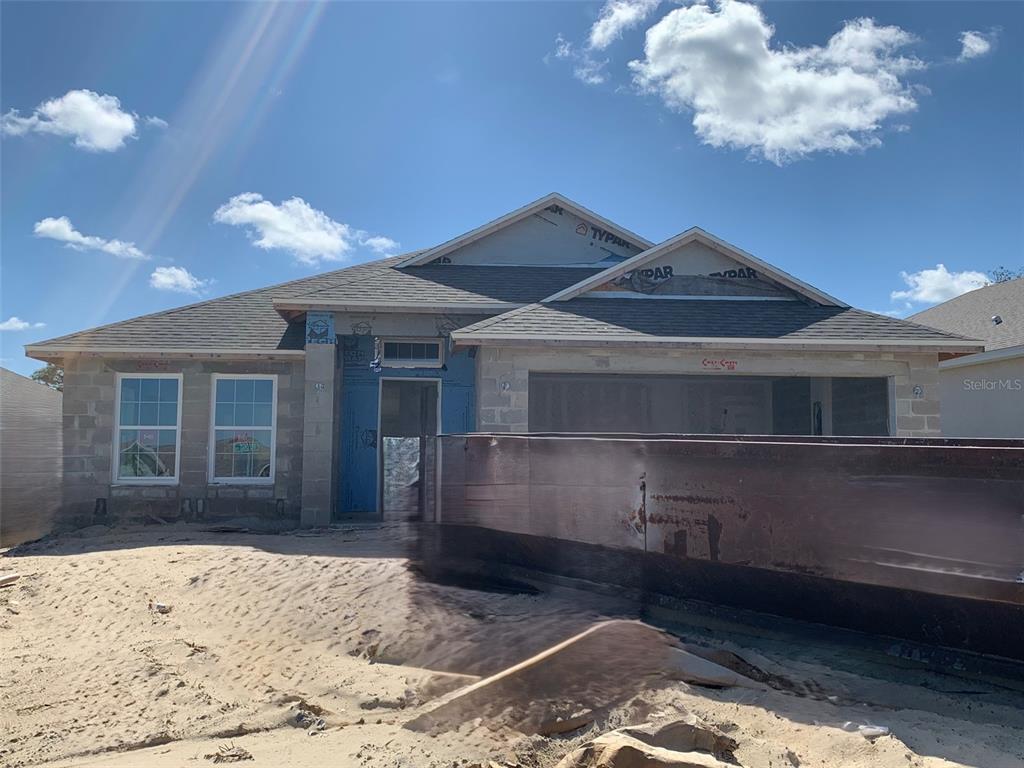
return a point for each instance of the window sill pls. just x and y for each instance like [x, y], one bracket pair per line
[122, 483]
[240, 481]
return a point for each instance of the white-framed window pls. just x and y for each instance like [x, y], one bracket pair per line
[412, 353]
[243, 428]
[147, 447]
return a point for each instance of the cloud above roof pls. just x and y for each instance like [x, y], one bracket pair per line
[931, 286]
[296, 227]
[96, 122]
[63, 231]
[177, 280]
[14, 323]
[780, 103]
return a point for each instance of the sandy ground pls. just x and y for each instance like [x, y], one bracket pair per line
[315, 650]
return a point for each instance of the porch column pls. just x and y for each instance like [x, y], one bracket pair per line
[318, 434]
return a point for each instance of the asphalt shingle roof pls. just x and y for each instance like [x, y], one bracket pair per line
[249, 322]
[640, 319]
[452, 284]
[971, 314]
[243, 321]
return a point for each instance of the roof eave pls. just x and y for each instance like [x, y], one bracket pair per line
[981, 358]
[48, 354]
[686, 342]
[465, 308]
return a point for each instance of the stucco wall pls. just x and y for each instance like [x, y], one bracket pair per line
[503, 377]
[89, 400]
[983, 400]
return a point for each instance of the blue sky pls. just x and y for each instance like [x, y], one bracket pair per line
[893, 149]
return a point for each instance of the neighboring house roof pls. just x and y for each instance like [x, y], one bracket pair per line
[440, 286]
[971, 315]
[719, 322]
[427, 256]
[696, 234]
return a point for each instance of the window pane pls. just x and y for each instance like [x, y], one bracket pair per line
[130, 390]
[261, 415]
[166, 439]
[390, 350]
[148, 414]
[264, 390]
[165, 463]
[150, 389]
[241, 465]
[244, 391]
[225, 415]
[225, 390]
[129, 414]
[243, 414]
[128, 439]
[126, 467]
[168, 390]
[168, 415]
[222, 465]
[147, 439]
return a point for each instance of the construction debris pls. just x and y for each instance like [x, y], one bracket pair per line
[598, 668]
[229, 753]
[684, 743]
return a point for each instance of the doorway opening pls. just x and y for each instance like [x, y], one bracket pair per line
[409, 410]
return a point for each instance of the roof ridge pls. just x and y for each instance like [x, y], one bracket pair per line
[204, 302]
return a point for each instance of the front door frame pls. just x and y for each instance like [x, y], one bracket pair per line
[380, 437]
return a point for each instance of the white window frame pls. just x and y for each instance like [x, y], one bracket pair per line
[211, 464]
[433, 363]
[116, 469]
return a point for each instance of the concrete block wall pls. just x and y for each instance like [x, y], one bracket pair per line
[89, 422]
[503, 377]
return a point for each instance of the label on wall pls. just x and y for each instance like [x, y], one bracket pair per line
[320, 328]
[549, 237]
[693, 270]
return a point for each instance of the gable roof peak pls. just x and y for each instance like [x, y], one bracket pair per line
[685, 237]
[430, 254]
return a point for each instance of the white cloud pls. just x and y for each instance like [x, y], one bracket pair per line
[97, 123]
[380, 244]
[62, 230]
[17, 324]
[616, 17]
[156, 122]
[974, 44]
[931, 286]
[585, 67]
[780, 103]
[177, 279]
[294, 226]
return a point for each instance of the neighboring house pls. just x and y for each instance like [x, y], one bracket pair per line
[983, 395]
[292, 397]
[31, 458]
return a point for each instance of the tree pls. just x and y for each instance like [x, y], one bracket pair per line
[51, 375]
[1002, 274]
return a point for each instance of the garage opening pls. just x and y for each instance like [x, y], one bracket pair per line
[736, 405]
